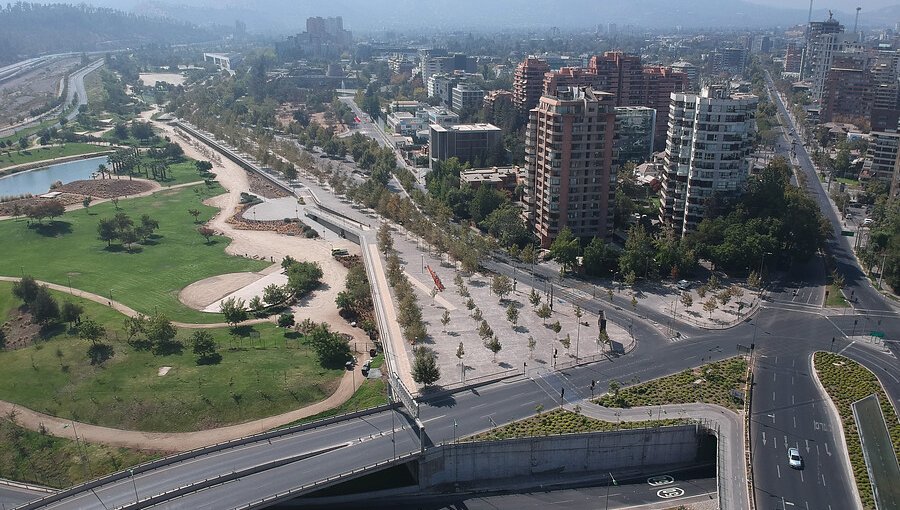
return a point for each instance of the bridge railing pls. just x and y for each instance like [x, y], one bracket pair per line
[265, 502]
[205, 450]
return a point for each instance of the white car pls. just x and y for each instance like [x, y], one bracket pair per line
[794, 458]
[868, 221]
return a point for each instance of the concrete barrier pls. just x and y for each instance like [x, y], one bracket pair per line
[451, 464]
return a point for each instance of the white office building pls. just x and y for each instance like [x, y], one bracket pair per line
[466, 97]
[708, 147]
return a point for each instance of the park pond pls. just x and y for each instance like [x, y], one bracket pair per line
[39, 180]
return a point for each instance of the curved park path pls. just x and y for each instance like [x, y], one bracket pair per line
[172, 441]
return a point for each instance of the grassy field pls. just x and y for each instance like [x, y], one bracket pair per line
[563, 422]
[15, 157]
[372, 393]
[846, 381]
[148, 280]
[33, 457]
[257, 377]
[710, 383]
[181, 173]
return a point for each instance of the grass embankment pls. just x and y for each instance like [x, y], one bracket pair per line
[33, 457]
[846, 381]
[711, 384]
[31, 155]
[372, 393]
[148, 280]
[257, 377]
[563, 422]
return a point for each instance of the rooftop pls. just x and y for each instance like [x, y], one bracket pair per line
[466, 127]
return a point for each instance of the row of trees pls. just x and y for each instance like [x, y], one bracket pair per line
[355, 301]
[409, 313]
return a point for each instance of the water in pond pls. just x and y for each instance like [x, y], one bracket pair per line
[38, 181]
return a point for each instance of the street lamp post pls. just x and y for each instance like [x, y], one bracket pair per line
[134, 484]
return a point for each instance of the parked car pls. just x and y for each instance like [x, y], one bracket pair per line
[794, 458]
[867, 222]
[683, 285]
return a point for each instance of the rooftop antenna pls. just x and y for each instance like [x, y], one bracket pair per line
[856, 23]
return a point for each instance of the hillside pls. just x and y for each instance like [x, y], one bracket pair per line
[32, 29]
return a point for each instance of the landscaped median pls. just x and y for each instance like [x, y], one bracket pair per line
[846, 381]
[714, 383]
[564, 422]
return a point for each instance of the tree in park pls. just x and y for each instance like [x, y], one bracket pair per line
[129, 238]
[106, 231]
[86, 202]
[71, 313]
[275, 294]
[753, 280]
[534, 298]
[44, 308]
[234, 310]
[602, 338]
[135, 326]
[147, 227]
[286, 320]
[544, 312]
[493, 345]
[484, 330]
[45, 209]
[445, 319]
[556, 327]
[98, 351]
[161, 333]
[710, 305]
[686, 299]
[206, 232]
[195, 213]
[257, 307]
[425, 370]
[630, 279]
[565, 250]
[477, 315]
[634, 303]
[203, 167]
[205, 347]
[609, 292]
[26, 289]
[531, 345]
[460, 352]
[501, 285]
[332, 350]
[512, 314]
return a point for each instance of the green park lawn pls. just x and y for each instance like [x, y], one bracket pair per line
[147, 280]
[181, 173]
[16, 157]
[258, 376]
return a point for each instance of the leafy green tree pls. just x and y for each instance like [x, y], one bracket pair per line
[686, 299]
[493, 345]
[161, 333]
[26, 289]
[639, 253]
[512, 314]
[599, 259]
[332, 350]
[425, 370]
[234, 310]
[286, 320]
[275, 294]
[44, 308]
[71, 312]
[565, 249]
[205, 347]
[506, 225]
[303, 277]
[544, 312]
[501, 285]
[107, 231]
[534, 298]
[445, 319]
[486, 201]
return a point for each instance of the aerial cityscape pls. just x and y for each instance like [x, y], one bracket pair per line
[450, 255]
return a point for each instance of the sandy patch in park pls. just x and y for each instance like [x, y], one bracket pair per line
[203, 293]
[150, 79]
[163, 371]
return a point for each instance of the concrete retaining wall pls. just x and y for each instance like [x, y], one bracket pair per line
[566, 454]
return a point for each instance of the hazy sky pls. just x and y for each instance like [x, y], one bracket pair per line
[844, 5]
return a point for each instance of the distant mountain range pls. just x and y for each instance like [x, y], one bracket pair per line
[288, 16]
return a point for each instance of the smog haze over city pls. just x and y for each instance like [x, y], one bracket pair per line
[443, 254]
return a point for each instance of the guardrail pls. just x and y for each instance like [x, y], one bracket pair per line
[224, 478]
[179, 457]
[265, 502]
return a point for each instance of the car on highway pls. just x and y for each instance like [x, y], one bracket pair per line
[794, 458]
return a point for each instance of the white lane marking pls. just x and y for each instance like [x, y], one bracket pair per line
[845, 348]
[823, 482]
[826, 450]
[435, 418]
[773, 395]
[764, 438]
[778, 468]
[795, 422]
